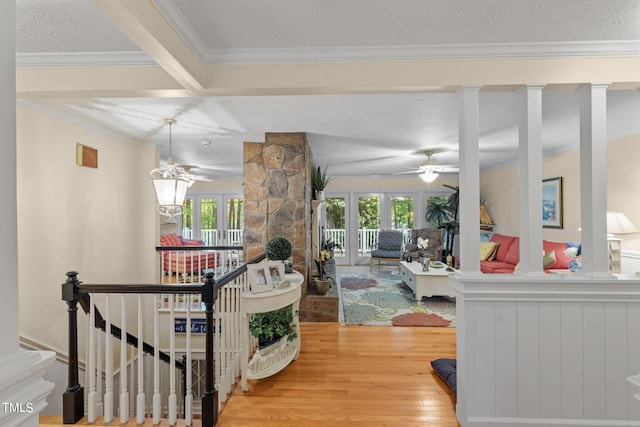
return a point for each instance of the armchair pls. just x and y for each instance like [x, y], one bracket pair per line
[389, 248]
[185, 262]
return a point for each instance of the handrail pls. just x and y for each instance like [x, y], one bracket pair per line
[74, 292]
[199, 248]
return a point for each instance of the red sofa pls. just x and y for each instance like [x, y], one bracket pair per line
[507, 255]
[187, 261]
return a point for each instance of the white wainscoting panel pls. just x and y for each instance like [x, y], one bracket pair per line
[547, 351]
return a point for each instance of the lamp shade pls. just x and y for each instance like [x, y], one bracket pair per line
[618, 223]
[171, 188]
[428, 176]
[170, 183]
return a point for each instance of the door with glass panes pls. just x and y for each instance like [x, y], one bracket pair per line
[217, 219]
[336, 219]
[372, 212]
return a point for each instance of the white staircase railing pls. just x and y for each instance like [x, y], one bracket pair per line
[146, 384]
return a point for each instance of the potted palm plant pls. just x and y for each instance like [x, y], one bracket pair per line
[445, 214]
[319, 180]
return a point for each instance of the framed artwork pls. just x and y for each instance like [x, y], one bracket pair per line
[552, 208]
[259, 279]
[276, 271]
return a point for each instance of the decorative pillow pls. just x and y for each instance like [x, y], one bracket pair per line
[488, 251]
[446, 370]
[549, 259]
[192, 242]
[171, 240]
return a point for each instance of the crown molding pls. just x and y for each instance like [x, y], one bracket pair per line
[595, 49]
[587, 49]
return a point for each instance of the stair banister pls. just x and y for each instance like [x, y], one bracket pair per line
[210, 397]
[73, 397]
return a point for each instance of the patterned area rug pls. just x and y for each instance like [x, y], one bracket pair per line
[384, 300]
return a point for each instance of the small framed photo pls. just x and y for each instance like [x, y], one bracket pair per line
[276, 271]
[259, 279]
[552, 209]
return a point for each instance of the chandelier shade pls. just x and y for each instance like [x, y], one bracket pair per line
[170, 184]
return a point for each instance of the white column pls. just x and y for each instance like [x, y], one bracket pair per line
[593, 179]
[469, 137]
[530, 180]
[23, 391]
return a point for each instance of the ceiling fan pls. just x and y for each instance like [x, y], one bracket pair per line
[189, 169]
[430, 168]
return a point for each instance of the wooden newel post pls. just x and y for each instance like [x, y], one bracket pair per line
[210, 398]
[73, 397]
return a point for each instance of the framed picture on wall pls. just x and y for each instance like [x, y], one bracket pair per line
[552, 205]
[259, 279]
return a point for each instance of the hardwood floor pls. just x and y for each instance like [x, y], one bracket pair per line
[350, 376]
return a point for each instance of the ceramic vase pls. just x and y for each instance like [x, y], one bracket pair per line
[575, 265]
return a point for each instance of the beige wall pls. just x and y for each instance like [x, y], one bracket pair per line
[500, 188]
[389, 183]
[100, 222]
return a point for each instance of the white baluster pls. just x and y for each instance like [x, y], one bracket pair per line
[173, 400]
[108, 360]
[132, 381]
[99, 406]
[188, 401]
[91, 401]
[156, 366]
[217, 339]
[124, 388]
[140, 407]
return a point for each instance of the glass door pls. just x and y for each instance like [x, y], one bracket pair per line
[233, 220]
[336, 226]
[368, 209]
[218, 220]
[208, 220]
[401, 213]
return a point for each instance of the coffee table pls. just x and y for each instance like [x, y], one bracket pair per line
[436, 281]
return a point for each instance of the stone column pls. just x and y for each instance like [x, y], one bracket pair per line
[277, 192]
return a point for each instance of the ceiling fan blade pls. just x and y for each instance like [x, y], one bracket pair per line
[411, 171]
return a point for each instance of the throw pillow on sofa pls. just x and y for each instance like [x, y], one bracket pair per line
[488, 251]
[549, 259]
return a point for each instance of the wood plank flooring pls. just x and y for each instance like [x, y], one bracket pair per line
[350, 376]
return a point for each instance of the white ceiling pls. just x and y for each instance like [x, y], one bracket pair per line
[368, 134]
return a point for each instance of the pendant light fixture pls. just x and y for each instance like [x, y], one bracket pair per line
[170, 183]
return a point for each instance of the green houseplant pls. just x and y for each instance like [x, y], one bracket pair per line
[319, 180]
[278, 248]
[273, 325]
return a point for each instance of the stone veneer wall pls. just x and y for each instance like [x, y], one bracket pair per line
[277, 194]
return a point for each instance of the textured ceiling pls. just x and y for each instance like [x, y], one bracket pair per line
[357, 134]
[46, 26]
[311, 23]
